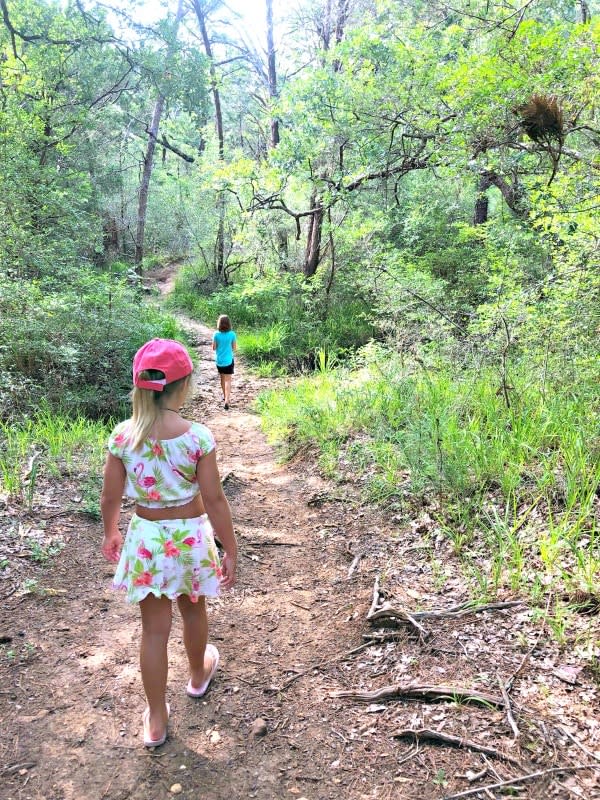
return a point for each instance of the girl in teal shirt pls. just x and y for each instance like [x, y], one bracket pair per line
[224, 343]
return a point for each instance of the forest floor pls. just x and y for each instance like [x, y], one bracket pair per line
[311, 700]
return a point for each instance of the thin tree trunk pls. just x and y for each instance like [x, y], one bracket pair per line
[480, 217]
[220, 239]
[145, 182]
[313, 242]
[584, 12]
[312, 256]
[272, 72]
[149, 157]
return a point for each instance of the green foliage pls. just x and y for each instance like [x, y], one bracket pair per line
[517, 481]
[283, 318]
[71, 351]
[51, 445]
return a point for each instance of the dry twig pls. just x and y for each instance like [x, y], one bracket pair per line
[575, 741]
[375, 601]
[529, 777]
[508, 708]
[425, 734]
[397, 613]
[458, 694]
[318, 665]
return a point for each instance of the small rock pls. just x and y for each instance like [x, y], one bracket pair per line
[259, 727]
[215, 737]
[177, 788]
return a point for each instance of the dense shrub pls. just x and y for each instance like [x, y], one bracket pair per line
[71, 351]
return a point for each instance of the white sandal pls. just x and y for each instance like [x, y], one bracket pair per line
[192, 691]
[148, 741]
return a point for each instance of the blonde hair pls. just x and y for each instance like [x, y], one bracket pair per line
[147, 404]
[224, 323]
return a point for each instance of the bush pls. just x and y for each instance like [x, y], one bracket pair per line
[71, 351]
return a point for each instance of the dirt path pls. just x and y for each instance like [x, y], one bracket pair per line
[290, 635]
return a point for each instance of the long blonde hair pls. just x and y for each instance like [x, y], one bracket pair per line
[147, 404]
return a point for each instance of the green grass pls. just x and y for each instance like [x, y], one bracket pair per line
[279, 318]
[48, 443]
[514, 489]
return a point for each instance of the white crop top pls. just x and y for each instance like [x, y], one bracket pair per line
[162, 473]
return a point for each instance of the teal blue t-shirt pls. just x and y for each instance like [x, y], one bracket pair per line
[224, 351]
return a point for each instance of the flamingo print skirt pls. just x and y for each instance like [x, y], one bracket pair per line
[170, 557]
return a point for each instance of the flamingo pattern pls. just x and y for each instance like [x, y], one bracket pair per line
[162, 473]
[170, 557]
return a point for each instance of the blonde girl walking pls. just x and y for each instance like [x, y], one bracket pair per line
[167, 464]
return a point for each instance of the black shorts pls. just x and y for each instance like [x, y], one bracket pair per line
[228, 370]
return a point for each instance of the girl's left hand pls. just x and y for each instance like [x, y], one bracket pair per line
[111, 546]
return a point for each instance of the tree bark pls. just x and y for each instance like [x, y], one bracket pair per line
[220, 238]
[272, 72]
[313, 240]
[480, 217]
[585, 16]
[149, 157]
[511, 192]
[315, 228]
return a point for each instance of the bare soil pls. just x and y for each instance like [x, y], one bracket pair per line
[291, 636]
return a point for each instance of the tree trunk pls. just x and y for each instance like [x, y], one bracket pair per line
[149, 158]
[272, 72]
[585, 16]
[220, 238]
[511, 192]
[145, 183]
[327, 30]
[313, 242]
[480, 217]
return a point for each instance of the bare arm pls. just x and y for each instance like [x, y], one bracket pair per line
[110, 506]
[219, 514]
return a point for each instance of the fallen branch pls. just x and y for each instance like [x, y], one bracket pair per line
[463, 609]
[437, 613]
[530, 776]
[375, 601]
[508, 708]
[457, 694]
[256, 543]
[390, 612]
[16, 767]
[425, 734]
[576, 742]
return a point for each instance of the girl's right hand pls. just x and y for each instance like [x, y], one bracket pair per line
[228, 570]
[111, 546]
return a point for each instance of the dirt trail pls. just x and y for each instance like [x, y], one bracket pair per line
[290, 635]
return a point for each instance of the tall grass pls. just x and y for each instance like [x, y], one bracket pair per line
[47, 444]
[516, 485]
[282, 319]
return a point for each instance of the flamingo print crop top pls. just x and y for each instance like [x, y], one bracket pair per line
[162, 473]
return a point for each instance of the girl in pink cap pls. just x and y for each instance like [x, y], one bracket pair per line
[168, 466]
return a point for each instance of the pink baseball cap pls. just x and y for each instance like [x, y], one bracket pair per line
[165, 355]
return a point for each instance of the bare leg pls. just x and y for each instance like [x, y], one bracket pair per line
[156, 626]
[195, 636]
[222, 377]
[227, 389]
